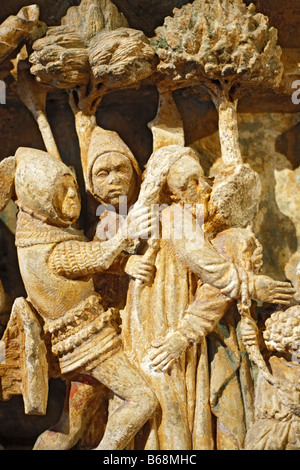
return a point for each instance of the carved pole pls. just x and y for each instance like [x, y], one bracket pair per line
[167, 126]
[34, 96]
[85, 123]
[228, 125]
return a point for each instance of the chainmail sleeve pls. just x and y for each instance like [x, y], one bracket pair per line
[73, 259]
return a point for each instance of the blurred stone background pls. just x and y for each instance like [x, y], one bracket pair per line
[269, 137]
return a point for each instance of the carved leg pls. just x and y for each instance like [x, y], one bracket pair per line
[118, 374]
[82, 401]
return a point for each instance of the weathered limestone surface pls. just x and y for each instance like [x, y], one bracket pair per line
[240, 120]
[274, 160]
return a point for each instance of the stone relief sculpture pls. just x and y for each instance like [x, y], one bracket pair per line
[47, 248]
[173, 318]
[112, 173]
[276, 426]
[224, 46]
[25, 26]
[150, 316]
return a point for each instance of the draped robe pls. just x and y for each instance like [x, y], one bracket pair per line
[184, 419]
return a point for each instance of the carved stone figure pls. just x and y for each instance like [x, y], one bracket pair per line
[157, 310]
[112, 173]
[277, 416]
[56, 265]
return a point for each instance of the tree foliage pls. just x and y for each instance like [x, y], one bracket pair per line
[218, 40]
[92, 44]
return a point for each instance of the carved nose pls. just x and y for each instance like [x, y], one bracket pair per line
[72, 193]
[205, 187]
[114, 178]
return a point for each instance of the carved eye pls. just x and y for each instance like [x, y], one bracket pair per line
[102, 174]
[193, 181]
[121, 169]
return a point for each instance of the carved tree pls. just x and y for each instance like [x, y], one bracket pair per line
[25, 26]
[227, 47]
[93, 50]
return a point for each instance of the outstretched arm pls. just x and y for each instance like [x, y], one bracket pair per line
[266, 289]
[74, 258]
[203, 315]
[204, 261]
[198, 254]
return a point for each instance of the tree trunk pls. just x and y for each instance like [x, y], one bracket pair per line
[228, 128]
[84, 127]
[84, 124]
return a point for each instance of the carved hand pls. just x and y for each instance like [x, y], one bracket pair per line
[249, 331]
[139, 223]
[165, 352]
[275, 292]
[140, 268]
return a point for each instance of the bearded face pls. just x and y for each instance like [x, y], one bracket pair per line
[187, 186]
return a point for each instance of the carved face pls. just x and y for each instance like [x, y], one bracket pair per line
[112, 177]
[186, 182]
[67, 199]
[247, 251]
[240, 246]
